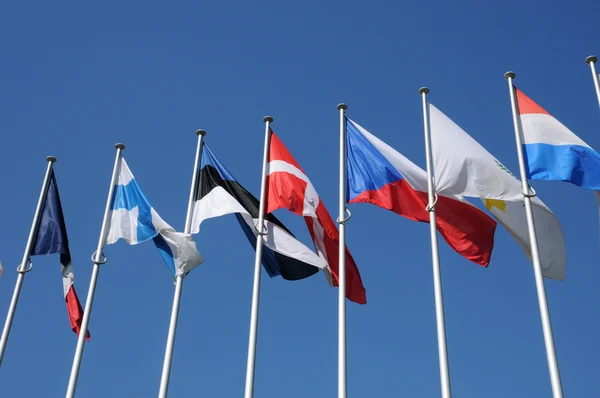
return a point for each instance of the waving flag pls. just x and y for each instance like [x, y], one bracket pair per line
[552, 151]
[51, 238]
[289, 188]
[379, 175]
[219, 194]
[463, 167]
[134, 220]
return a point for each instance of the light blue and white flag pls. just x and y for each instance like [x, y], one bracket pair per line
[135, 220]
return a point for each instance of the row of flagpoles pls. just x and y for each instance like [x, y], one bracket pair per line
[254, 216]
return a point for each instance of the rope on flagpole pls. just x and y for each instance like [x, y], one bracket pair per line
[102, 259]
[26, 270]
[431, 206]
[530, 194]
[337, 220]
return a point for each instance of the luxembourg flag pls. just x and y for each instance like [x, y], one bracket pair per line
[552, 151]
[134, 220]
[379, 175]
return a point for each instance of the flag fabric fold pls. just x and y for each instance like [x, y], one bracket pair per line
[219, 193]
[289, 188]
[50, 238]
[552, 151]
[134, 220]
[464, 167]
[379, 175]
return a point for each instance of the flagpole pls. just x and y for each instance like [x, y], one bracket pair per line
[259, 245]
[98, 259]
[342, 361]
[435, 256]
[166, 372]
[22, 268]
[537, 267]
[591, 61]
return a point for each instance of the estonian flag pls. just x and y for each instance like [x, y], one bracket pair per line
[50, 238]
[218, 193]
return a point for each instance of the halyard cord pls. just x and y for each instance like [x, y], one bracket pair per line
[24, 271]
[102, 259]
[529, 195]
[345, 219]
[431, 206]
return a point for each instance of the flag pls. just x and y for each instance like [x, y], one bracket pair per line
[219, 193]
[289, 188]
[464, 167]
[133, 219]
[379, 175]
[51, 237]
[552, 151]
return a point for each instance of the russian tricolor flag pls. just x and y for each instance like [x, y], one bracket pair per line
[552, 151]
[379, 175]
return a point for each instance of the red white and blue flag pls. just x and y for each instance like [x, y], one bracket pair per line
[289, 188]
[51, 237]
[379, 175]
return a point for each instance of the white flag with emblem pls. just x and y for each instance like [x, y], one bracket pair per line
[464, 167]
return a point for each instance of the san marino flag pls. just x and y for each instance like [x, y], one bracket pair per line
[135, 220]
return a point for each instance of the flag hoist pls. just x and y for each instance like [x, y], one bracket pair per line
[262, 231]
[166, 371]
[22, 268]
[342, 362]
[528, 194]
[435, 256]
[98, 259]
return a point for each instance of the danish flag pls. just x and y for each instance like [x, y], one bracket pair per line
[289, 188]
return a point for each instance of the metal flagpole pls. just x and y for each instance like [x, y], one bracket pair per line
[591, 60]
[166, 372]
[259, 245]
[22, 268]
[98, 258]
[435, 256]
[342, 362]
[537, 267]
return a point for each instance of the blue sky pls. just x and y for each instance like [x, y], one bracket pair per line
[77, 78]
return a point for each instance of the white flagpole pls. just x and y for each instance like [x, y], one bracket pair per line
[591, 61]
[537, 267]
[22, 268]
[342, 362]
[98, 259]
[166, 372]
[435, 256]
[259, 245]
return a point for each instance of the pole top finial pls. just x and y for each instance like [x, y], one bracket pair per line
[120, 146]
[591, 58]
[509, 74]
[342, 106]
[201, 132]
[51, 159]
[424, 90]
[268, 119]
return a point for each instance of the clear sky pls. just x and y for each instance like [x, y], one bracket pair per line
[77, 78]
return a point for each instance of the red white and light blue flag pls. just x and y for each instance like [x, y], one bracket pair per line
[552, 151]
